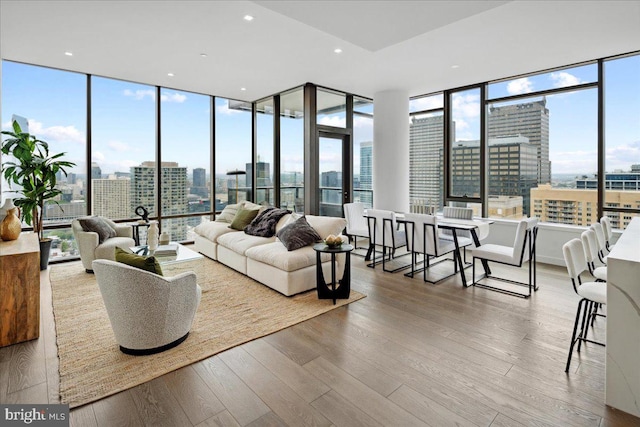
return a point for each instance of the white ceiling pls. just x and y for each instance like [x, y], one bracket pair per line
[407, 45]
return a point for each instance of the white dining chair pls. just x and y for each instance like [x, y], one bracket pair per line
[383, 231]
[523, 250]
[608, 232]
[602, 242]
[423, 239]
[356, 222]
[590, 244]
[592, 294]
[464, 236]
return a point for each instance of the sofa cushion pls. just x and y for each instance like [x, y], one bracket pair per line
[240, 242]
[228, 213]
[326, 225]
[149, 263]
[97, 225]
[243, 218]
[264, 224]
[298, 235]
[211, 230]
[276, 255]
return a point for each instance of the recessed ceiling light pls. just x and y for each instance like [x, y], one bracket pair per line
[337, 50]
[69, 53]
[170, 74]
[248, 18]
[455, 66]
[243, 88]
[204, 55]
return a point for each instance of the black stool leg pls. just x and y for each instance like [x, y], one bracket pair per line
[573, 336]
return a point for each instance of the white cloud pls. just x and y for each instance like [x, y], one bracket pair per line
[97, 156]
[7, 125]
[173, 97]
[426, 103]
[335, 121]
[622, 157]
[118, 146]
[56, 133]
[465, 106]
[564, 79]
[518, 86]
[140, 94]
[580, 162]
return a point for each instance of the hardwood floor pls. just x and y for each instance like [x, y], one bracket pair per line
[411, 353]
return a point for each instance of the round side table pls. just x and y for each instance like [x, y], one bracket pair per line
[328, 290]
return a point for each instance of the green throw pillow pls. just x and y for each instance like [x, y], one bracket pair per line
[243, 218]
[149, 263]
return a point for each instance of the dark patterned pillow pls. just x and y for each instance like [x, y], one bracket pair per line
[264, 225]
[298, 235]
[97, 225]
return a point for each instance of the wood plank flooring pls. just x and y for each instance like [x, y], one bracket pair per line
[410, 354]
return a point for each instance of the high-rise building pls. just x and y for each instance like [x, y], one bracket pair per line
[199, 185]
[513, 168]
[111, 198]
[366, 173]
[426, 160]
[331, 193]
[529, 119]
[174, 194]
[96, 172]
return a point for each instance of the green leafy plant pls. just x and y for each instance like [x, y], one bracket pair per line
[34, 171]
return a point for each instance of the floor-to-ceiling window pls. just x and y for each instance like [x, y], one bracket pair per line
[426, 153]
[363, 151]
[232, 152]
[542, 140]
[292, 150]
[185, 161]
[622, 139]
[264, 150]
[54, 104]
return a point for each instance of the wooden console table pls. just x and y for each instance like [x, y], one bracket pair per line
[19, 289]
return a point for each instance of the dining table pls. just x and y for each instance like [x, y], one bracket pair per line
[477, 227]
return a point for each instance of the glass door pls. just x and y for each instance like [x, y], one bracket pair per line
[333, 191]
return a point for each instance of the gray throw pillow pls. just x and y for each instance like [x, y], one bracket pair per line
[97, 225]
[298, 235]
[264, 225]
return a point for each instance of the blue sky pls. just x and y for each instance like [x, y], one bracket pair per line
[124, 119]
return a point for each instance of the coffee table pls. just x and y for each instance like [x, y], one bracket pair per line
[174, 264]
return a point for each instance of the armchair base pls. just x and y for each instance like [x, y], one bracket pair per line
[148, 351]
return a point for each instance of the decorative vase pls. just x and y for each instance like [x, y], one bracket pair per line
[152, 236]
[8, 204]
[164, 238]
[10, 227]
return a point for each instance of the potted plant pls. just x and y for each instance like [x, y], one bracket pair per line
[34, 171]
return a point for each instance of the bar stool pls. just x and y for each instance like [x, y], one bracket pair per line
[592, 293]
[590, 243]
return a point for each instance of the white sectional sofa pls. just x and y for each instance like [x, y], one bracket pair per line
[266, 259]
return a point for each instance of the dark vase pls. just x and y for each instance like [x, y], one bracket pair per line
[45, 248]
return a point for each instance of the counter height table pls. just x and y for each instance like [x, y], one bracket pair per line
[622, 377]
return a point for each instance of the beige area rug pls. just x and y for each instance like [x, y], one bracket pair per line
[234, 309]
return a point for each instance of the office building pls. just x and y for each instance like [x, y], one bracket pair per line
[531, 120]
[96, 171]
[199, 185]
[426, 161]
[365, 180]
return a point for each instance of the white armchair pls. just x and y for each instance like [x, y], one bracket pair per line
[148, 313]
[90, 247]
